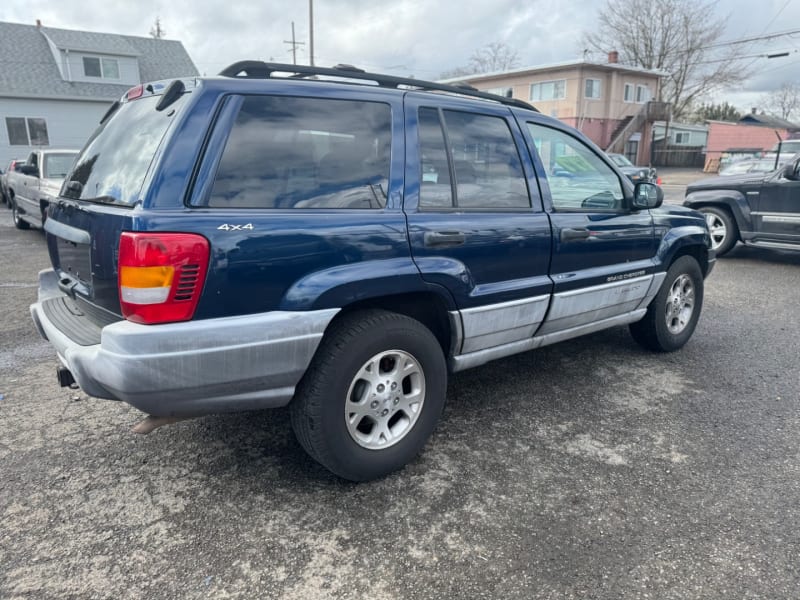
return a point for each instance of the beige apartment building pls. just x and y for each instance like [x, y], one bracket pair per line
[612, 104]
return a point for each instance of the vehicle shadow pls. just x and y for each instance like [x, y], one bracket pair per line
[776, 257]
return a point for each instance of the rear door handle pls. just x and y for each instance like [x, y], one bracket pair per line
[444, 239]
[575, 234]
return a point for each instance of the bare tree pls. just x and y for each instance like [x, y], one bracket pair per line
[495, 56]
[783, 102]
[679, 37]
[156, 31]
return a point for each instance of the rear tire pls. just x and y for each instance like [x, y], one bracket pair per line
[18, 222]
[672, 316]
[723, 229]
[372, 395]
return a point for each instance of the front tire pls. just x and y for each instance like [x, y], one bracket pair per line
[19, 223]
[723, 229]
[672, 316]
[372, 396]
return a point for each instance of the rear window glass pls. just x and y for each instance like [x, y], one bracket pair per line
[56, 166]
[112, 166]
[286, 152]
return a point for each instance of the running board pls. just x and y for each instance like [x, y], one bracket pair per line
[772, 245]
[475, 359]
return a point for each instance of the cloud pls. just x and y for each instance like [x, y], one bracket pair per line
[404, 37]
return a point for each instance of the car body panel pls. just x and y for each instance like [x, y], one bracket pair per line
[766, 209]
[277, 276]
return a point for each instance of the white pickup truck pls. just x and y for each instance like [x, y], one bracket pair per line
[34, 183]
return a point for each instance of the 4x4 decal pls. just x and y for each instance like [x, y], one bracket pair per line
[227, 227]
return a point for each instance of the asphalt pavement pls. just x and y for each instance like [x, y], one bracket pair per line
[588, 469]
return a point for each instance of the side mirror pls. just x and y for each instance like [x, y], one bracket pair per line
[28, 170]
[789, 171]
[647, 196]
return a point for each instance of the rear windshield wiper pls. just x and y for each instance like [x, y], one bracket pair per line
[106, 199]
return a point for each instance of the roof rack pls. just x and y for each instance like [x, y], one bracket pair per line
[256, 69]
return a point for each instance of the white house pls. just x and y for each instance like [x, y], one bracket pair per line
[681, 134]
[56, 84]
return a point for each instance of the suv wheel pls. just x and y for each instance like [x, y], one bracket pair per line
[724, 232]
[372, 395]
[18, 222]
[672, 315]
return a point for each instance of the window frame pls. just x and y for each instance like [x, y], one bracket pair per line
[639, 88]
[100, 60]
[24, 126]
[26, 122]
[679, 138]
[455, 208]
[632, 87]
[544, 181]
[554, 98]
[202, 184]
[598, 84]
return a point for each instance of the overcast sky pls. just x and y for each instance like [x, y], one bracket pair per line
[402, 37]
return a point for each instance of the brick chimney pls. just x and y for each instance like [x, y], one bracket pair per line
[613, 57]
[38, 23]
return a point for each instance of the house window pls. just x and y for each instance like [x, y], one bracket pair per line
[642, 94]
[592, 88]
[682, 137]
[105, 68]
[505, 92]
[628, 94]
[27, 132]
[549, 90]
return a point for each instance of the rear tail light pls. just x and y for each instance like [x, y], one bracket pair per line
[135, 92]
[161, 275]
[658, 181]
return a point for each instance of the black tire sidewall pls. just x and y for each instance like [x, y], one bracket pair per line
[343, 455]
[19, 222]
[731, 230]
[685, 265]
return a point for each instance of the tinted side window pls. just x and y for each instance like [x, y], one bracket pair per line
[286, 152]
[435, 190]
[578, 178]
[487, 166]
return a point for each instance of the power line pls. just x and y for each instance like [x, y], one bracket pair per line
[294, 43]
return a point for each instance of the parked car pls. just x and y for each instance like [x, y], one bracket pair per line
[34, 183]
[756, 209]
[634, 173]
[786, 147]
[754, 165]
[265, 241]
[12, 166]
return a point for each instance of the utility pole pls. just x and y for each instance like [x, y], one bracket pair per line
[311, 31]
[294, 45]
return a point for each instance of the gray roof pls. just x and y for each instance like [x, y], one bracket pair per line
[90, 41]
[768, 121]
[28, 69]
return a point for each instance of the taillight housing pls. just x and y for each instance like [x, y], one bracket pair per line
[161, 275]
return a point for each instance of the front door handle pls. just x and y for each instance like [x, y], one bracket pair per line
[444, 239]
[574, 234]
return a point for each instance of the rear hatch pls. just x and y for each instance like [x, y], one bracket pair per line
[97, 201]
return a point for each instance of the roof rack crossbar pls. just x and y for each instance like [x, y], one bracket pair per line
[256, 69]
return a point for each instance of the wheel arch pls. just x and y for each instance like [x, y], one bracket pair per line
[731, 200]
[690, 240]
[431, 308]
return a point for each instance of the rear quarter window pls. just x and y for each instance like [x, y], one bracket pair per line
[113, 165]
[287, 152]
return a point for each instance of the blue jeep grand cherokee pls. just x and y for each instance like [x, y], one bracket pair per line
[339, 242]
